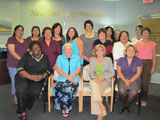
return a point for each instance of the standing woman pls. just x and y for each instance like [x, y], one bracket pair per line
[76, 42]
[110, 38]
[36, 35]
[50, 47]
[17, 46]
[58, 34]
[116, 34]
[88, 38]
[119, 47]
[102, 40]
[138, 36]
[147, 53]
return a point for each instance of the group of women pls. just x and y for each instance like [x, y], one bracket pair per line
[31, 60]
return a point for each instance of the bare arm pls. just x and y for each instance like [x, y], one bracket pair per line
[120, 74]
[138, 73]
[80, 46]
[11, 48]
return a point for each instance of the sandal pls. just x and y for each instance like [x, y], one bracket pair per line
[18, 113]
[65, 114]
[23, 117]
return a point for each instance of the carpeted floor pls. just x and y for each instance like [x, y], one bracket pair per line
[7, 109]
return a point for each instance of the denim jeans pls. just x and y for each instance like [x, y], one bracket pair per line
[12, 73]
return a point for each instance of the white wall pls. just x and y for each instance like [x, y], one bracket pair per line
[121, 14]
[9, 9]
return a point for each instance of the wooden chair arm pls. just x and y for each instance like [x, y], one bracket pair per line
[50, 82]
[112, 83]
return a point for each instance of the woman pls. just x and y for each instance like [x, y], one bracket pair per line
[35, 35]
[58, 34]
[88, 39]
[32, 69]
[17, 46]
[138, 36]
[116, 35]
[101, 72]
[147, 53]
[129, 69]
[102, 40]
[68, 68]
[119, 47]
[50, 47]
[76, 42]
[110, 34]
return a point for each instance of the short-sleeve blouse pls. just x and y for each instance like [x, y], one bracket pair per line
[129, 71]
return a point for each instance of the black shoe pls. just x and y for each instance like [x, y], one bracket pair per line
[123, 109]
[128, 109]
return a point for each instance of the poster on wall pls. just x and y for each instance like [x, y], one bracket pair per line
[5, 25]
[154, 25]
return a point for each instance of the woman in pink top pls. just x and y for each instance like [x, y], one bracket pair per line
[147, 53]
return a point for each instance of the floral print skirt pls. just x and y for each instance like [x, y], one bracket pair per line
[64, 95]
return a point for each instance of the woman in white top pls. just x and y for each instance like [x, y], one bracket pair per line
[138, 36]
[119, 47]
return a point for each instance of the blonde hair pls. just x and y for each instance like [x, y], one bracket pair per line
[125, 51]
[100, 46]
[67, 44]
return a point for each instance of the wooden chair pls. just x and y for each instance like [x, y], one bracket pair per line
[51, 84]
[109, 92]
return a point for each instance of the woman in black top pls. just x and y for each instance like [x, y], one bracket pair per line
[32, 69]
[102, 40]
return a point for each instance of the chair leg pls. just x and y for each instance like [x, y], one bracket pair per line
[49, 103]
[139, 103]
[80, 99]
[111, 108]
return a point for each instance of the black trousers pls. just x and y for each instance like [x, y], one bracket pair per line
[27, 91]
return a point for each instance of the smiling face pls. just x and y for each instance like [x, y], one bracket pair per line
[19, 32]
[68, 50]
[36, 50]
[89, 28]
[109, 32]
[102, 36]
[48, 34]
[130, 52]
[71, 33]
[145, 34]
[99, 52]
[124, 37]
[117, 33]
[138, 31]
[35, 32]
[57, 30]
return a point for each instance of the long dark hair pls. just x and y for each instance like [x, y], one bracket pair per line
[18, 26]
[55, 26]
[109, 27]
[75, 35]
[37, 27]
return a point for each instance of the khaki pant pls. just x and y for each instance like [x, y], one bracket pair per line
[96, 90]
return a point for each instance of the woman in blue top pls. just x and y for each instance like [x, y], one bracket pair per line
[68, 68]
[76, 42]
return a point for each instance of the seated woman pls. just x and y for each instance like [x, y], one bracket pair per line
[68, 68]
[32, 70]
[101, 72]
[129, 69]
